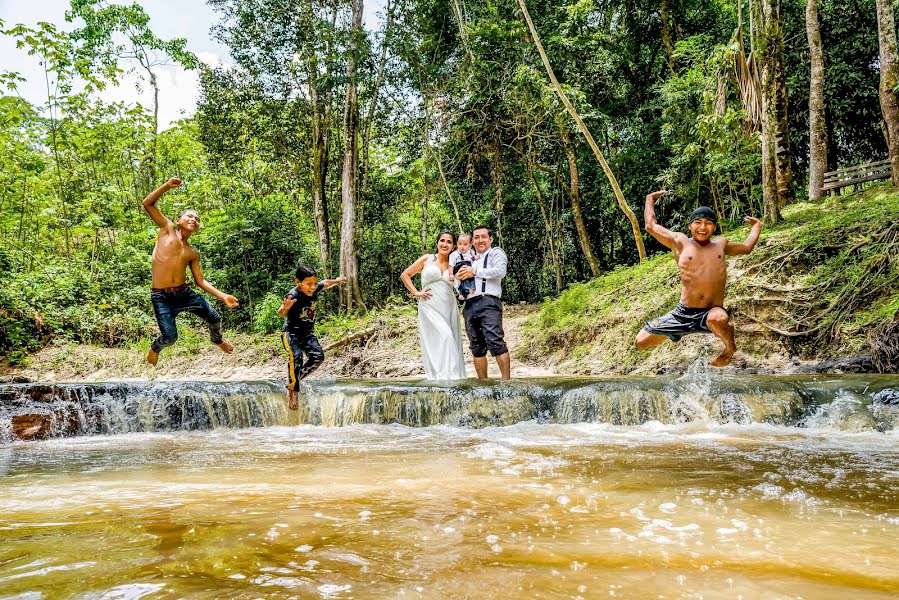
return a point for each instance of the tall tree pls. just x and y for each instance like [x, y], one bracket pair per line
[97, 44]
[619, 196]
[775, 86]
[889, 79]
[351, 294]
[290, 55]
[320, 86]
[574, 194]
[817, 118]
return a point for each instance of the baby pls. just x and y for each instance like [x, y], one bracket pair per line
[462, 256]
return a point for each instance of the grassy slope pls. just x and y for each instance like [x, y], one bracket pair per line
[830, 269]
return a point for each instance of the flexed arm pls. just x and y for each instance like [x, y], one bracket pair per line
[150, 202]
[746, 247]
[411, 270]
[668, 238]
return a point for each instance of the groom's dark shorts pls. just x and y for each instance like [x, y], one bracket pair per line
[484, 325]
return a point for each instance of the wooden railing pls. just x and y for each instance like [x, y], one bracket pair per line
[841, 178]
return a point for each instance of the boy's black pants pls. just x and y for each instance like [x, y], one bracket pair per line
[296, 344]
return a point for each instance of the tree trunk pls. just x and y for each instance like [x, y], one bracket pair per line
[351, 294]
[498, 180]
[463, 33]
[551, 238]
[666, 35]
[774, 24]
[320, 97]
[622, 203]
[435, 152]
[320, 123]
[816, 114]
[151, 162]
[425, 192]
[769, 151]
[62, 198]
[765, 46]
[889, 78]
[369, 124]
[574, 194]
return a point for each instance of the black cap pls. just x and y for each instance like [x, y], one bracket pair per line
[704, 212]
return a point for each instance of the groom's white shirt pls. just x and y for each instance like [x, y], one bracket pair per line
[488, 280]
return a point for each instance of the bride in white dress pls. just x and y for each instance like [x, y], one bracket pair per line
[438, 315]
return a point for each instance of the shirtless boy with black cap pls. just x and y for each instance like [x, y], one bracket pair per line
[703, 271]
[171, 294]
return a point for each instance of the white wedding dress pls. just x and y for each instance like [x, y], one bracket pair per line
[438, 325]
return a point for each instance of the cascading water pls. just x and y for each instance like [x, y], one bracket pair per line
[65, 409]
[839, 402]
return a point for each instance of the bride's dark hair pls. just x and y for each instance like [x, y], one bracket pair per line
[449, 233]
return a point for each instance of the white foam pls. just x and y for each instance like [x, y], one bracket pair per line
[329, 590]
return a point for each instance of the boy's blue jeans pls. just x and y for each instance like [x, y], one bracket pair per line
[168, 305]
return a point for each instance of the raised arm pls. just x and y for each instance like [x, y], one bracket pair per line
[411, 270]
[666, 237]
[150, 202]
[229, 300]
[746, 247]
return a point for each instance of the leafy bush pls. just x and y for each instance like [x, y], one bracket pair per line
[265, 314]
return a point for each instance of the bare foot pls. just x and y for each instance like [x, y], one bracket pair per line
[723, 359]
[293, 400]
[226, 347]
[152, 356]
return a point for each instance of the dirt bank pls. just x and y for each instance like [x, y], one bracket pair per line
[385, 347]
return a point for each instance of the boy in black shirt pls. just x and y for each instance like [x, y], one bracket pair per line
[298, 310]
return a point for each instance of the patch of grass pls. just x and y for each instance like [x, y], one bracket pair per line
[610, 306]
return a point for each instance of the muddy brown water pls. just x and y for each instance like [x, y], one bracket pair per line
[656, 488]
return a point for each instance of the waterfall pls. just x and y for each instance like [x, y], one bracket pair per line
[64, 409]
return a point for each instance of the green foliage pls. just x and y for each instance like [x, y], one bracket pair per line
[265, 317]
[842, 257]
[461, 119]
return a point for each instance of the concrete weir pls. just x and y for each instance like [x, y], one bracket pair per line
[39, 411]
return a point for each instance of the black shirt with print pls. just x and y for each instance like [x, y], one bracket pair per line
[301, 316]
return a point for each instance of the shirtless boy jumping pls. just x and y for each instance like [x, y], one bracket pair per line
[703, 272]
[171, 294]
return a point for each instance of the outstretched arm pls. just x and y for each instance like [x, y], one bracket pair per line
[411, 270]
[329, 283]
[667, 238]
[150, 202]
[746, 247]
[229, 300]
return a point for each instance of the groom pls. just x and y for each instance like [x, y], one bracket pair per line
[483, 308]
